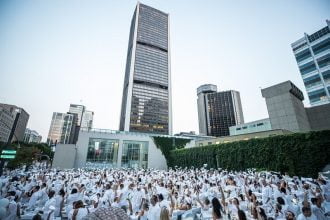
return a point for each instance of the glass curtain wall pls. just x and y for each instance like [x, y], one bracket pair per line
[102, 153]
[135, 154]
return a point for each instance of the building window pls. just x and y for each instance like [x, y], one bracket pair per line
[326, 76]
[324, 61]
[135, 154]
[316, 95]
[260, 124]
[307, 68]
[102, 153]
[322, 46]
[312, 81]
[318, 34]
[303, 55]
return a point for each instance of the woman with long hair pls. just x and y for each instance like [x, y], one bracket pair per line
[217, 208]
[164, 214]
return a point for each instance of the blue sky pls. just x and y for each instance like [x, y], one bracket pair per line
[53, 53]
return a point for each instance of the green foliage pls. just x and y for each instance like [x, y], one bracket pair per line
[167, 144]
[26, 153]
[302, 154]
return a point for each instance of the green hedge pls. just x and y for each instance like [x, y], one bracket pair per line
[302, 154]
[167, 144]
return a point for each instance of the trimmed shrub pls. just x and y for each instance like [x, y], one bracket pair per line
[167, 144]
[302, 154]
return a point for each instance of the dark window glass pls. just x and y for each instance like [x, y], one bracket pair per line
[303, 55]
[312, 81]
[308, 67]
[324, 61]
[316, 95]
[322, 46]
[319, 34]
[326, 76]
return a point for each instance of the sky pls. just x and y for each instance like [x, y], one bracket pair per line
[57, 52]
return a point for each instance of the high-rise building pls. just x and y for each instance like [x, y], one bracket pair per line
[21, 118]
[6, 124]
[62, 128]
[285, 107]
[312, 53]
[146, 103]
[87, 119]
[79, 110]
[31, 136]
[217, 111]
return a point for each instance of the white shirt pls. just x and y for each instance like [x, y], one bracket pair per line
[82, 212]
[154, 212]
[302, 217]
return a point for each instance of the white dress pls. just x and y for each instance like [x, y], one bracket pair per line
[47, 210]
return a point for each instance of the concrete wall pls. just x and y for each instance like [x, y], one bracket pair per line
[285, 107]
[64, 156]
[319, 117]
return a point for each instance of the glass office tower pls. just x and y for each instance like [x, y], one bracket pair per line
[312, 53]
[217, 111]
[146, 103]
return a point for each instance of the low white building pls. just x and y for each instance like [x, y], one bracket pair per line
[251, 127]
[102, 148]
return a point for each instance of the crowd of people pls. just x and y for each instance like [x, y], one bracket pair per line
[158, 194]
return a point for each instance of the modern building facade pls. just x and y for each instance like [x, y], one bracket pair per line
[146, 102]
[79, 110]
[202, 106]
[87, 119]
[285, 107]
[62, 128]
[21, 118]
[31, 136]
[6, 124]
[217, 111]
[251, 127]
[312, 53]
[102, 148]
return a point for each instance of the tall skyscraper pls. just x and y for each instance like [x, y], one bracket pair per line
[217, 111]
[21, 118]
[146, 103]
[312, 54]
[87, 119]
[79, 110]
[62, 128]
[6, 124]
[84, 117]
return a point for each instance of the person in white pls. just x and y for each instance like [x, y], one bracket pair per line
[50, 205]
[306, 214]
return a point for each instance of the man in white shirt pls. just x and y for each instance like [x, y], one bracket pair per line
[35, 197]
[266, 193]
[154, 209]
[318, 210]
[306, 214]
